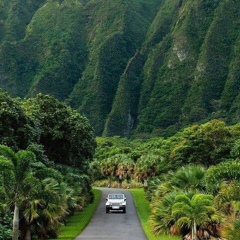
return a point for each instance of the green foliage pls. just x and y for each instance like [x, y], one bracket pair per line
[123, 116]
[232, 230]
[15, 128]
[42, 192]
[188, 178]
[66, 136]
[205, 144]
[194, 211]
[131, 67]
[213, 65]
[161, 219]
[77, 222]
[5, 222]
[228, 197]
[226, 171]
[164, 162]
[107, 147]
[176, 200]
[146, 166]
[44, 196]
[143, 208]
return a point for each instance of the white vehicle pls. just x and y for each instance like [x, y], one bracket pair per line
[116, 201]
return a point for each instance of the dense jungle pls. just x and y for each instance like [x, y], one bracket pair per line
[121, 93]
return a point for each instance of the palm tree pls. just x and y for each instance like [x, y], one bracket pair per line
[125, 168]
[44, 209]
[147, 166]
[109, 168]
[38, 193]
[15, 167]
[228, 199]
[231, 231]
[161, 220]
[191, 177]
[228, 196]
[192, 212]
[187, 178]
[79, 187]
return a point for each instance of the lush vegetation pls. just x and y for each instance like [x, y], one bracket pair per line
[163, 73]
[143, 209]
[75, 224]
[132, 67]
[45, 152]
[191, 179]
[48, 162]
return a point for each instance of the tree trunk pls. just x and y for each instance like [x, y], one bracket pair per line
[28, 235]
[194, 231]
[15, 223]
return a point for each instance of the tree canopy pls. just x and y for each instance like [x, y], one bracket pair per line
[66, 136]
[15, 127]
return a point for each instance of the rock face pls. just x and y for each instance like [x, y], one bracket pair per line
[132, 67]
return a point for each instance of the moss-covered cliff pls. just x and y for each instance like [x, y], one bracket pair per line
[131, 66]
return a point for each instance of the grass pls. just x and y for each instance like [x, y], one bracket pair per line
[76, 224]
[142, 206]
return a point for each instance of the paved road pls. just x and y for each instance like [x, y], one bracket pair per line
[115, 225]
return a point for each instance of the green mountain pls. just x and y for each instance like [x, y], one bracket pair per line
[131, 66]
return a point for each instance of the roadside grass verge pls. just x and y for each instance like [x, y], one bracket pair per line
[142, 206]
[77, 222]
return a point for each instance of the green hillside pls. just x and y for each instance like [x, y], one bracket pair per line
[132, 67]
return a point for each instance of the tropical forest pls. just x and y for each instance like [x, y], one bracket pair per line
[142, 95]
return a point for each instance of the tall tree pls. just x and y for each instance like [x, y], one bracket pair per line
[196, 211]
[67, 136]
[44, 208]
[15, 168]
[207, 144]
[16, 129]
[147, 166]
[37, 193]
[161, 219]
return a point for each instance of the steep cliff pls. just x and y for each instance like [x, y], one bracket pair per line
[131, 66]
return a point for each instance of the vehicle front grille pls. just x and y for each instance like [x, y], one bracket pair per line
[115, 204]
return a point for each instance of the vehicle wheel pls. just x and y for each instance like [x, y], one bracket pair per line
[107, 210]
[124, 210]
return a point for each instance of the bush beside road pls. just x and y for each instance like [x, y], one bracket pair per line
[142, 207]
[75, 224]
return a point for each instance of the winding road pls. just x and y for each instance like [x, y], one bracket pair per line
[115, 225]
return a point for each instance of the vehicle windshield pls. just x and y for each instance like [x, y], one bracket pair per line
[115, 196]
